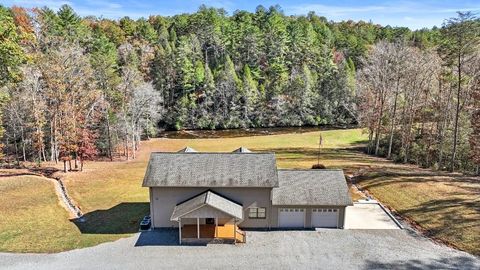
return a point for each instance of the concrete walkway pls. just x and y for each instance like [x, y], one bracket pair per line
[368, 216]
[326, 249]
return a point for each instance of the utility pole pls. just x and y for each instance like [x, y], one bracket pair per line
[319, 146]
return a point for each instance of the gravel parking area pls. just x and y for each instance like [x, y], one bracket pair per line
[326, 249]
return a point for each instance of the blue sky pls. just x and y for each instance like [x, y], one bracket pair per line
[410, 13]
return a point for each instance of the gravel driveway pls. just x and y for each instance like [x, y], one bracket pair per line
[326, 249]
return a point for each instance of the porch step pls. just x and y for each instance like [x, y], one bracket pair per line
[221, 241]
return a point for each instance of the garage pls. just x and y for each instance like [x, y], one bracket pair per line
[291, 217]
[325, 218]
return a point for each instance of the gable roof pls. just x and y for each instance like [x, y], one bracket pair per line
[166, 169]
[187, 150]
[211, 199]
[311, 187]
[242, 149]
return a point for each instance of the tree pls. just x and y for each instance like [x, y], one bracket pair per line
[399, 53]
[75, 87]
[376, 77]
[71, 98]
[461, 39]
[11, 53]
[130, 79]
[475, 121]
[103, 58]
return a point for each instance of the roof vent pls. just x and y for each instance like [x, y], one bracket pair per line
[187, 150]
[242, 150]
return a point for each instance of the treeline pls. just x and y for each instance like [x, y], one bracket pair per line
[422, 105]
[74, 88]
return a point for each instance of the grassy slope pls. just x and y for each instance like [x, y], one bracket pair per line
[111, 195]
[446, 205]
[32, 219]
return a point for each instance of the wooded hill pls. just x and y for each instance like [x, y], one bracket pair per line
[74, 88]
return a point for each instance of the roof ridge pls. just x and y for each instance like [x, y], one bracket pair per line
[207, 196]
[308, 170]
[200, 153]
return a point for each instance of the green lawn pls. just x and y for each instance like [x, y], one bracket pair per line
[106, 184]
[447, 206]
[111, 196]
[32, 219]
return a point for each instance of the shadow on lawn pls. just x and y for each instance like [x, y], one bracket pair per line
[459, 262]
[120, 219]
[384, 178]
[453, 217]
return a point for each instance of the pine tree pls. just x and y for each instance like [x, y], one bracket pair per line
[461, 39]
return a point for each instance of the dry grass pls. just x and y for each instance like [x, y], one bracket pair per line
[447, 206]
[32, 220]
[106, 184]
[111, 195]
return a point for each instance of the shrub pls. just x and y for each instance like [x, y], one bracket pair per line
[318, 167]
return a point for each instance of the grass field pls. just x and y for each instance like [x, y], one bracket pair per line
[32, 220]
[447, 206]
[106, 184]
[111, 196]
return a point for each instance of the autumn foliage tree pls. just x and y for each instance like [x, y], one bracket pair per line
[73, 87]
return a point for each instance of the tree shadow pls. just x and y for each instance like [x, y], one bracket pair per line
[123, 218]
[459, 262]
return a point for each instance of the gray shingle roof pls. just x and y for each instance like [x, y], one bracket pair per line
[210, 199]
[311, 187]
[211, 170]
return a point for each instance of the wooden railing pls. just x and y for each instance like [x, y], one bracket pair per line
[244, 236]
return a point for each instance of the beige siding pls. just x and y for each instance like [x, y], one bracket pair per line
[193, 221]
[308, 214]
[206, 211]
[164, 199]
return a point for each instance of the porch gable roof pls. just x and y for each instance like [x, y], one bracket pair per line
[210, 199]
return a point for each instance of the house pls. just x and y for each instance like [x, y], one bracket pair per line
[216, 195]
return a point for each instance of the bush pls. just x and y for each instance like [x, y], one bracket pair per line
[318, 167]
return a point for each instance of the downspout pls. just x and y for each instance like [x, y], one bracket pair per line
[270, 211]
[150, 190]
[180, 230]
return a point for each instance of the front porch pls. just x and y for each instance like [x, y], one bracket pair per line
[209, 216]
[209, 231]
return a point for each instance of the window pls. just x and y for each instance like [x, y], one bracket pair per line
[257, 212]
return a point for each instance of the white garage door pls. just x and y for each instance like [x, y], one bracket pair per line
[291, 217]
[324, 218]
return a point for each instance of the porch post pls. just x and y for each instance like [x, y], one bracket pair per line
[180, 231]
[216, 227]
[235, 231]
[198, 228]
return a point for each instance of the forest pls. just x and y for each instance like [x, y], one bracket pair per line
[77, 88]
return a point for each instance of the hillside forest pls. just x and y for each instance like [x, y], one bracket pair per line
[77, 88]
